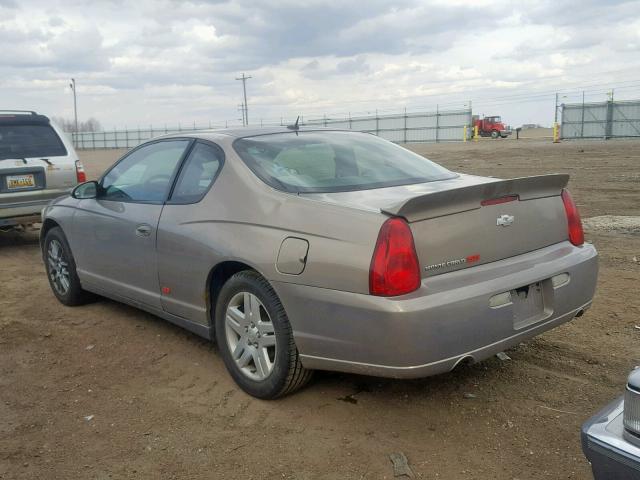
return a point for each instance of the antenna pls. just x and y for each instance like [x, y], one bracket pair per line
[296, 125]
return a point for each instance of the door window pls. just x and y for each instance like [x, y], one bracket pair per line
[197, 174]
[145, 174]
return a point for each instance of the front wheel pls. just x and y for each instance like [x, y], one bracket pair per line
[61, 269]
[255, 338]
[495, 134]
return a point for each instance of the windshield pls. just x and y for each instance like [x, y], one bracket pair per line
[334, 161]
[24, 141]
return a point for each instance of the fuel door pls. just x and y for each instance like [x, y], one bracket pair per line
[292, 256]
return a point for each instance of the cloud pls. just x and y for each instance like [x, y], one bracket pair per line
[168, 60]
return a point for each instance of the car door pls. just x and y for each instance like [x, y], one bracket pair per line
[115, 233]
[185, 250]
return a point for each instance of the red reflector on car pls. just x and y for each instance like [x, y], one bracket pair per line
[498, 201]
[394, 266]
[576, 234]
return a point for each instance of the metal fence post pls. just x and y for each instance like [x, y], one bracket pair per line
[377, 124]
[350, 121]
[582, 121]
[609, 125]
[405, 125]
[437, 121]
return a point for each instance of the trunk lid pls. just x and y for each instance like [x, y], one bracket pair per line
[452, 228]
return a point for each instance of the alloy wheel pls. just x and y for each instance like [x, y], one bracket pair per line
[58, 267]
[250, 335]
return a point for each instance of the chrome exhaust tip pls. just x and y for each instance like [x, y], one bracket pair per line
[466, 360]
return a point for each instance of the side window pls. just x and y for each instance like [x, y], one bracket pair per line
[145, 175]
[197, 174]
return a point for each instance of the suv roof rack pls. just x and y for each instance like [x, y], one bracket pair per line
[30, 112]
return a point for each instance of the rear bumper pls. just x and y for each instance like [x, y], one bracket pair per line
[444, 322]
[612, 457]
[14, 206]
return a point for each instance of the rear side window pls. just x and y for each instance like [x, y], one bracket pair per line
[327, 161]
[197, 174]
[24, 141]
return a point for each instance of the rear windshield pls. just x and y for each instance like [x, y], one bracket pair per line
[24, 141]
[334, 162]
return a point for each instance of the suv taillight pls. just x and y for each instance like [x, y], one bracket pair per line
[576, 234]
[394, 266]
[81, 177]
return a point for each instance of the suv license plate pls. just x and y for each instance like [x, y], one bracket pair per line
[15, 182]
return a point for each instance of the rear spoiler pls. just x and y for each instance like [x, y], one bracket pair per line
[462, 199]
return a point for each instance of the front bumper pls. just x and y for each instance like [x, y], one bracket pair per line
[446, 321]
[612, 457]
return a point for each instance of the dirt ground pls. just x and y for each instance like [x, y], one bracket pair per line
[106, 391]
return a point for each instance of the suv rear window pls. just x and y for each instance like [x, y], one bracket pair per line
[24, 141]
[305, 162]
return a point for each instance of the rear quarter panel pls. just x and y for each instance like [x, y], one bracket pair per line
[242, 219]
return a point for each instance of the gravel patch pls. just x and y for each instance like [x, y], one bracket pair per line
[613, 223]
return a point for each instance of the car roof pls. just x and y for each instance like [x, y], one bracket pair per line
[242, 132]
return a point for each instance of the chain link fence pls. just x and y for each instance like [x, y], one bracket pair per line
[439, 126]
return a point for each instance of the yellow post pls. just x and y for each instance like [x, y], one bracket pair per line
[475, 133]
[464, 134]
[556, 133]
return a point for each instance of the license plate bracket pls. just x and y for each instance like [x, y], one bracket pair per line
[528, 305]
[21, 181]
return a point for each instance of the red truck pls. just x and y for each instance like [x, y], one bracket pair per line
[491, 127]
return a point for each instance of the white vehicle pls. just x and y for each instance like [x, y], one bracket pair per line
[37, 164]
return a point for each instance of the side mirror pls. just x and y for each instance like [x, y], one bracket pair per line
[85, 190]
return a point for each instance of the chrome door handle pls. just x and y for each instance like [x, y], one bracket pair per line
[143, 230]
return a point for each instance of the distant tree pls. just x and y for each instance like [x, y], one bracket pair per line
[90, 125]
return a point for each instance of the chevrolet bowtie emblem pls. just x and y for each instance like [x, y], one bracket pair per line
[505, 220]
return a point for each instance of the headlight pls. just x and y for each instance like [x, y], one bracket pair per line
[631, 418]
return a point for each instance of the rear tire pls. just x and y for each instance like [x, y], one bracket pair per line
[495, 134]
[61, 270]
[255, 339]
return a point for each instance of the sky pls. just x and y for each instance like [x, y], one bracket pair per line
[157, 62]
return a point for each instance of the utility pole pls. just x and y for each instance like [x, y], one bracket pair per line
[75, 105]
[555, 115]
[244, 79]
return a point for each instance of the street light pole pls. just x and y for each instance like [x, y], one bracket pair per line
[75, 105]
[244, 79]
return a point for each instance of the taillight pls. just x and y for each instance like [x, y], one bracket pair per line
[576, 234]
[394, 265]
[81, 177]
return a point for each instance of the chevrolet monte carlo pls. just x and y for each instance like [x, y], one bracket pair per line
[298, 250]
